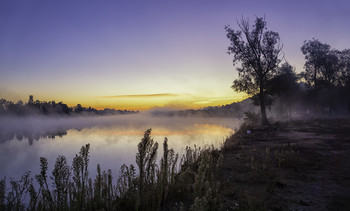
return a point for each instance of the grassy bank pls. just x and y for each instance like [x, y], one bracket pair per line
[298, 165]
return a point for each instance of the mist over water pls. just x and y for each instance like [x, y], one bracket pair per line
[113, 139]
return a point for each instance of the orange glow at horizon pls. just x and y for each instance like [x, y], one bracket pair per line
[163, 100]
[140, 102]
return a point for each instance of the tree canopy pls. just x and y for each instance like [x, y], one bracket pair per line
[323, 65]
[256, 55]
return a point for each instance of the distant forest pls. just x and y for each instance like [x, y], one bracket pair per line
[235, 110]
[33, 107]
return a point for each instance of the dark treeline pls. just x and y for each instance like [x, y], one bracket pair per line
[321, 89]
[257, 55]
[148, 186]
[52, 108]
[327, 75]
[235, 110]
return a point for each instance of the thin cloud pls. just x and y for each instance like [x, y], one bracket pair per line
[142, 95]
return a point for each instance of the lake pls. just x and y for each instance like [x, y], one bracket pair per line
[113, 139]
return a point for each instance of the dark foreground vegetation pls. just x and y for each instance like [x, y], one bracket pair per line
[297, 165]
[148, 186]
[51, 108]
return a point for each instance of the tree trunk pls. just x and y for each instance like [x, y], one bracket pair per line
[315, 76]
[264, 120]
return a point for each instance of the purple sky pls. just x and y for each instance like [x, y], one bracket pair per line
[152, 53]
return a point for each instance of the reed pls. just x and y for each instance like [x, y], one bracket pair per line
[149, 186]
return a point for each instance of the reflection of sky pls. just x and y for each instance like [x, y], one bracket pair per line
[78, 51]
[113, 140]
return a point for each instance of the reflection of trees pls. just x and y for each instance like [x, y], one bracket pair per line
[31, 136]
[51, 108]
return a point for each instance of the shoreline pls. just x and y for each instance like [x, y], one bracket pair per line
[295, 165]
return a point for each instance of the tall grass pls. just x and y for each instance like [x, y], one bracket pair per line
[148, 186]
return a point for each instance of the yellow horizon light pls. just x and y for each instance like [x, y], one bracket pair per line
[142, 102]
[164, 100]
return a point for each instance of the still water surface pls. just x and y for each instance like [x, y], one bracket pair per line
[113, 139]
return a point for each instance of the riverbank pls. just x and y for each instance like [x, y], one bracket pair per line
[299, 165]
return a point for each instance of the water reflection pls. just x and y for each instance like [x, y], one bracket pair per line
[30, 136]
[113, 140]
